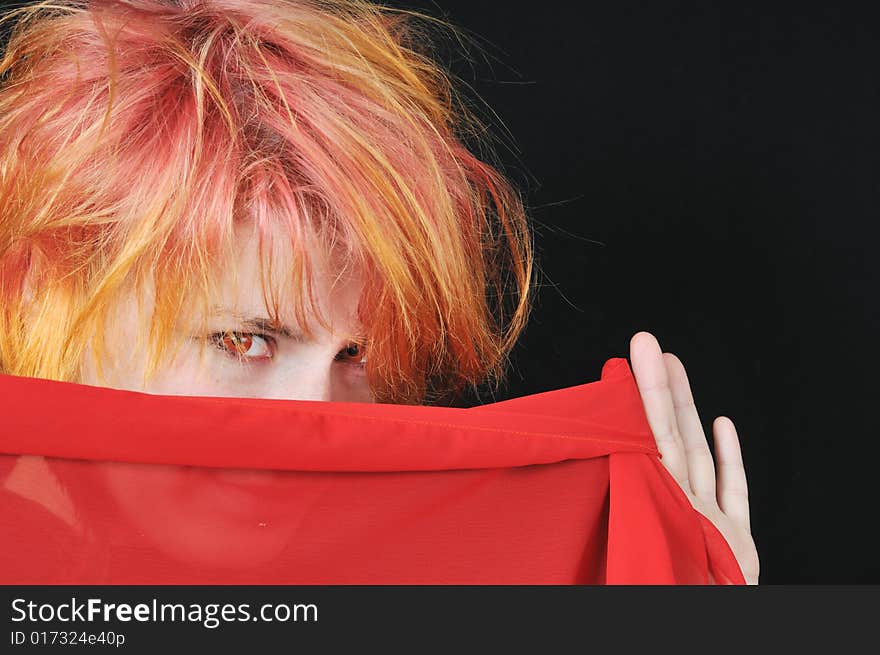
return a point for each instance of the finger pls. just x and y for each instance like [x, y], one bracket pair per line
[649, 371]
[701, 466]
[733, 494]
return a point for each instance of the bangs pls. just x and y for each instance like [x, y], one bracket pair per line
[138, 140]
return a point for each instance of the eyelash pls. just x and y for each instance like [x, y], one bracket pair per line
[217, 339]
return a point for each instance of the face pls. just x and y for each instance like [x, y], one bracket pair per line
[245, 356]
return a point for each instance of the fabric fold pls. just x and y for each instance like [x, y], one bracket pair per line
[562, 487]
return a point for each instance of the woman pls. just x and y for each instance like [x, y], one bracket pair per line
[273, 198]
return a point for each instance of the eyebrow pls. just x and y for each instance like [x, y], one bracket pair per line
[262, 324]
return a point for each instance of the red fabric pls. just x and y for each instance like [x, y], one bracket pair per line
[103, 486]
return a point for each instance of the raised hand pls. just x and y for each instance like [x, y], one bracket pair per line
[718, 493]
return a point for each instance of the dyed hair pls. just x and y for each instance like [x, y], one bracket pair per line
[136, 134]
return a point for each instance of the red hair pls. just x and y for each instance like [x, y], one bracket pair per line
[136, 134]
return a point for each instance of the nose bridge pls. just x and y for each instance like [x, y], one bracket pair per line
[307, 378]
[313, 382]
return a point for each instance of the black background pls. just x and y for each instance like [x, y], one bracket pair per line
[707, 172]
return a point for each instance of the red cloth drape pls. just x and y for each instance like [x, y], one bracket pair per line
[104, 486]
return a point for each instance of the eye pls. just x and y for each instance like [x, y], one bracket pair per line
[354, 353]
[244, 345]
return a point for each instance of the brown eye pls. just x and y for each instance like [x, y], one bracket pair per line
[243, 345]
[239, 343]
[353, 352]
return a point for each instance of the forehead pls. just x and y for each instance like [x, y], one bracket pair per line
[269, 258]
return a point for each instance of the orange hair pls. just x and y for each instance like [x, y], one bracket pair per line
[136, 134]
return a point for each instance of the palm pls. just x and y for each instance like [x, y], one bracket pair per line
[672, 415]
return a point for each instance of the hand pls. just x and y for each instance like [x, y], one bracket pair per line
[672, 415]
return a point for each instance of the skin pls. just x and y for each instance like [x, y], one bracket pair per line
[241, 360]
[720, 494]
[252, 363]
